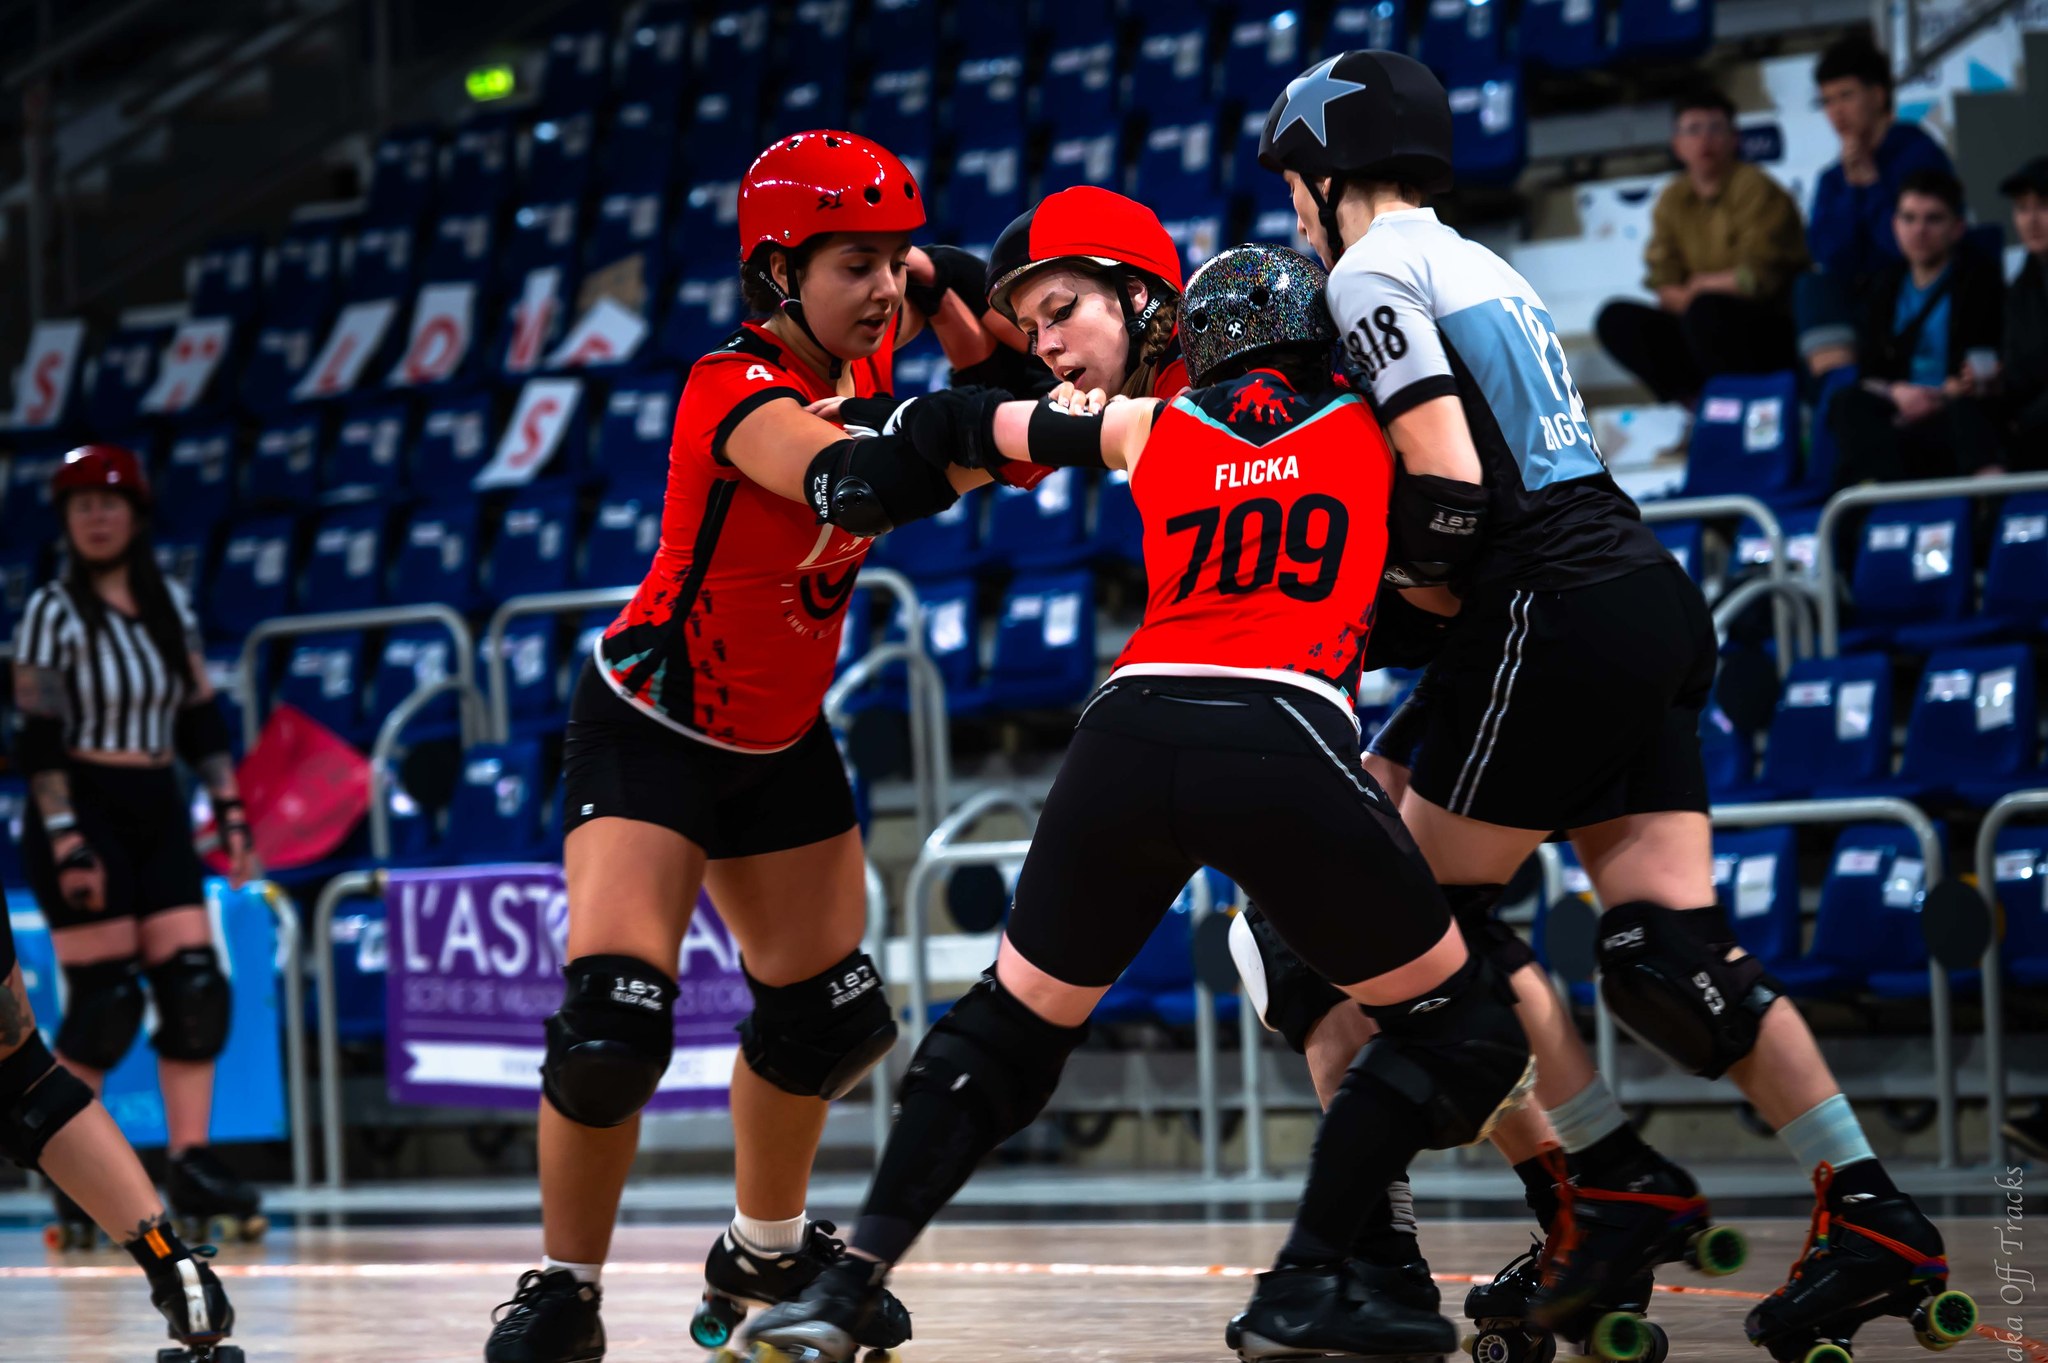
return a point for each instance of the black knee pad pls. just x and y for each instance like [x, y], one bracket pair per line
[1458, 1053]
[102, 1012]
[610, 1041]
[1485, 935]
[1665, 977]
[994, 1054]
[819, 1037]
[37, 1097]
[1289, 997]
[193, 1005]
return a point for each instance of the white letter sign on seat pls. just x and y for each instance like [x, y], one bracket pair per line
[546, 407]
[357, 334]
[609, 333]
[43, 388]
[194, 353]
[443, 326]
[532, 317]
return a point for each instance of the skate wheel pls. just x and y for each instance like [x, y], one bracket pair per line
[713, 1324]
[255, 1228]
[1468, 1345]
[56, 1237]
[881, 1356]
[1827, 1353]
[1620, 1337]
[1660, 1343]
[223, 1230]
[1545, 1349]
[1717, 1251]
[1945, 1320]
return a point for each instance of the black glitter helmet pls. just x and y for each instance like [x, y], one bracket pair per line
[1249, 299]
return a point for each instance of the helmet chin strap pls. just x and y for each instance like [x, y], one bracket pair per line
[1326, 213]
[793, 308]
[1136, 320]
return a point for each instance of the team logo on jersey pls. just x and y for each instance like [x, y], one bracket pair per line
[822, 594]
[1257, 402]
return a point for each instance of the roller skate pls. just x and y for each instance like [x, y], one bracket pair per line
[1324, 1313]
[1388, 1261]
[1500, 1312]
[552, 1318]
[845, 1311]
[737, 1276]
[1871, 1257]
[209, 1202]
[1612, 1230]
[72, 1229]
[183, 1286]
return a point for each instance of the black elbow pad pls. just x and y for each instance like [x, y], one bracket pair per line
[868, 487]
[1434, 529]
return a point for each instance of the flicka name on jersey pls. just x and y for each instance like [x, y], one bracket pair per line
[1252, 472]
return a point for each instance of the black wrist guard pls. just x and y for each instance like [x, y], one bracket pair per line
[956, 271]
[1023, 377]
[199, 732]
[1063, 439]
[1434, 529]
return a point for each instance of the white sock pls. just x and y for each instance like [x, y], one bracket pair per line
[770, 1237]
[1586, 1116]
[584, 1273]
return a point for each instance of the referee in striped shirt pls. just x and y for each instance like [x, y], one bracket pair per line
[108, 684]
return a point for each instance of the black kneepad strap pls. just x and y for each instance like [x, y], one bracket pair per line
[609, 1043]
[994, 1054]
[37, 1097]
[1458, 1053]
[102, 1012]
[1486, 935]
[193, 1005]
[819, 1037]
[1289, 997]
[1665, 976]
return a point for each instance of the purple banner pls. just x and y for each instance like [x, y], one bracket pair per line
[476, 967]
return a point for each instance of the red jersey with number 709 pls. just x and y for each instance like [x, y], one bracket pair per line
[1265, 514]
[734, 632]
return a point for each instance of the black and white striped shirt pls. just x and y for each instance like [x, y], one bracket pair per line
[124, 693]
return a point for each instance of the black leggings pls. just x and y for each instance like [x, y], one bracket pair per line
[1259, 780]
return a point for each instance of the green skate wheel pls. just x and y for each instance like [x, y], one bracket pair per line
[1717, 1251]
[1620, 1337]
[1945, 1320]
[1827, 1353]
[712, 1325]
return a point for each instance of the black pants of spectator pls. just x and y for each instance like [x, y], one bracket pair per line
[1957, 440]
[1674, 354]
[2027, 437]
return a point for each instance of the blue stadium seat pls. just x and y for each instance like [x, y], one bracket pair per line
[1729, 754]
[462, 248]
[657, 65]
[1171, 77]
[900, 112]
[1082, 159]
[255, 579]
[384, 264]
[21, 572]
[920, 367]
[496, 813]
[952, 638]
[1745, 437]
[123, 373]
[196, 487]
[988, 84]
[181, 556]
[1379, 24]
[1866, 936]
[1461, 40]
[1687, 542]
[1164, 965]
[938, 546]
[633, 431]
[533, 674]
[1663, 29]
[437, 556]
[402, 176]
[1912, 579]
[345, 564]
[1974, 732]
[1045, 527]
[578, 73]
[2016, 574]
[1563, 35]
[735, 52]
[535, 547]
[706, 227]
[1119, 532]
[1264, 48]
[703, 312]
[284, 466]
[623, 535]
[722, 137]
[628, 245]
[367, 459]
[304, 288]
[561, 156]
[541, 236]
[902, 33]
[1489, 126]
[1756, 879]
[2020, 870]
[277, 361]
[226, 278]
[1817, 476]
[457, 438]
[1045, 643]
[13, 809]
[481, 162]
[987, 192]
[413, 656]
[322, 676]
[813, 90]
[640, 154]
[28, 519]
[856, 628]
[1832, 730]
[1077, 86]
[1177, 163]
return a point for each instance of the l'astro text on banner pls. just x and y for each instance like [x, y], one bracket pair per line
[476, 967]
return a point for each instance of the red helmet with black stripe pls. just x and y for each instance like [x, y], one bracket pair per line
[112, 468]
[810, 183]
[1084, 223]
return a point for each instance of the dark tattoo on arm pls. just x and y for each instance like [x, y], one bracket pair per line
[52, 792]
[16, 1022]
[161, 1221]
[40, 691]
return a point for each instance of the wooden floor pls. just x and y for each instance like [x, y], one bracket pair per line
[1140, 1292]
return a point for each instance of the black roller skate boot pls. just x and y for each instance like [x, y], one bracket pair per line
[737, 1276]
[1389, 1261]
[209, 1202]
[1612, 1230]
[844, 1312]
[72, 1229]
[1867, 1255]
[184, 1287]
[552, 1318]
[1499, 1312]
[1320, 1312]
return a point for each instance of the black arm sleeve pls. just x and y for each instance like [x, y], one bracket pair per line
[199, 732]
[1059, 438]
[869, 487]
[38, 743]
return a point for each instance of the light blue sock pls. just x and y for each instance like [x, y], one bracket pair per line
[1586, 1116]
[1827, 1132]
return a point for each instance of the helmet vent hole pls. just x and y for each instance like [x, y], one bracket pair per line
[831, 141]
[1259, 297]
[873, 194]
[909, 190]
[1199, 319]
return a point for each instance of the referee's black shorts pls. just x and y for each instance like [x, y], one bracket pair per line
[1560, 710]
[1257, 779]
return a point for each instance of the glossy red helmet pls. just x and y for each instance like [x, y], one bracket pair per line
[1083, 223]
[112, 467]
[811, 183]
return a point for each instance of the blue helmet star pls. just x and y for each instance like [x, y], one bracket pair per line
[1308, 100]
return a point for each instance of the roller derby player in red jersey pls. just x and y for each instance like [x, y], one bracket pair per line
[696, 756]
[1216, 741]
[1567, 695]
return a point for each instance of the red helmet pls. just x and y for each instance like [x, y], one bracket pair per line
[810, 183]
[112, 467]
[1082, 223]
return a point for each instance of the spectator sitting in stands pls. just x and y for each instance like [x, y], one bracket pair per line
[2019, 389]
[1850, 229]
[1913, 416]
[1725, 245]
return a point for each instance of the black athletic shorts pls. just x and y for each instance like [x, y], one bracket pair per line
[1259, 780]
[1559, 710]
[619, 763]
[135, 820]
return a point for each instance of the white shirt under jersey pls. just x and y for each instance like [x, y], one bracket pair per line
[1424, 313]
[124, 694]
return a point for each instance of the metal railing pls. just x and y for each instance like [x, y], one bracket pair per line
[497, 692]
[287, 915]
[1740, 507]
[944, 852]
[350, 885]
[2018, 805]
[382, 617]
[1827, 573]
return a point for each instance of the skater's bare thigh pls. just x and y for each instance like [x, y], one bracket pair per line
[797, 912]
[632, 886]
